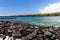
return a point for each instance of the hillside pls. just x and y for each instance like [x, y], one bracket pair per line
[44, 14]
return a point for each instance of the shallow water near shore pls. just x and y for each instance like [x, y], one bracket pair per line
[35, 20]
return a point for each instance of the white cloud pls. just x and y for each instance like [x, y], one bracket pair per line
[55, 7]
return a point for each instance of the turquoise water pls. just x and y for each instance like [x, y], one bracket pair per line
[38, 20]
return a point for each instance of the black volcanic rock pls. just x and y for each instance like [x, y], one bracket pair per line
[25, 31]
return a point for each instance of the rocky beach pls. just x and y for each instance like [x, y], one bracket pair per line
[29, 19]
[24, 31]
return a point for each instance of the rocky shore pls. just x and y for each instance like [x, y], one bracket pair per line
[24, 31]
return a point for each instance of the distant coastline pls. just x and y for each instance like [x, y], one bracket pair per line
[43, 14]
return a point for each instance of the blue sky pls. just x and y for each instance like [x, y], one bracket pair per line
[13, 7]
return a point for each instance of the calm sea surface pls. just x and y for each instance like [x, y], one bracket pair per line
[37, 20]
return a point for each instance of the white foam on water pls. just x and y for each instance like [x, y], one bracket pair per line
[18, 39]
[7, 38]
[1, 38]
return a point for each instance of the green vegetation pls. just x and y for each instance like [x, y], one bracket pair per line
[44, 14]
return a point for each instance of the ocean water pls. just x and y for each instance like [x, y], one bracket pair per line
[37, 20]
